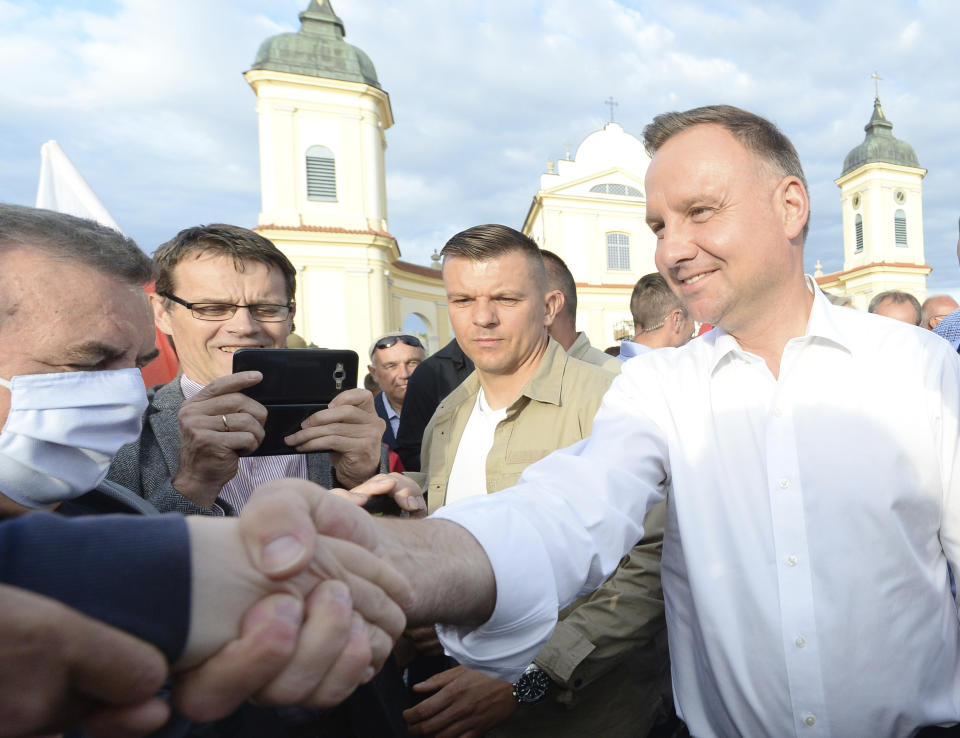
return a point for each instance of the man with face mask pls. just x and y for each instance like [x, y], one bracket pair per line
[73, 334]
[74, 327]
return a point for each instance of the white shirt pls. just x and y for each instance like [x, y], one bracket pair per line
[468, 476]
[393, 417]
[252, 471]
[809, 523]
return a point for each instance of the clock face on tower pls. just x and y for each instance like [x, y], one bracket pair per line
[899, 196]
[856, 201]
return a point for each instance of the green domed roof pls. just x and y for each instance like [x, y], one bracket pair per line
[880, 145]
[317, 49]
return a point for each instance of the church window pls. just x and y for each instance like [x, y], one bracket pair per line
[615, 188]
[900, 228]
[618, 251]
[858, 229]
[321, 174]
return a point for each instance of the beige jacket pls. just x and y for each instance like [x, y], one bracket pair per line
[581, 349]
[607, 656]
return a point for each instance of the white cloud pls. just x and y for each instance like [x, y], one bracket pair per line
[148, 100]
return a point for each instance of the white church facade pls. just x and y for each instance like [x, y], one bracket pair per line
[323, 118]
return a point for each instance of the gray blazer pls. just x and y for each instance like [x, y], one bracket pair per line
[146, 467]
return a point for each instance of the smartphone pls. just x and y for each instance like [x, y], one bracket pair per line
[296, 383]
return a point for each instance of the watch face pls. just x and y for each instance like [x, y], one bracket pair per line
[531, 686]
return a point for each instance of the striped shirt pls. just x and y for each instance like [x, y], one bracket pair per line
[252, 471]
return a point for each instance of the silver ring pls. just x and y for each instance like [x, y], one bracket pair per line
[226, 426]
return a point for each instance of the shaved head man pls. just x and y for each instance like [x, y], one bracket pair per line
[935, 309]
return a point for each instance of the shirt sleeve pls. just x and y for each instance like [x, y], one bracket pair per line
[625, 613]
[561, 531]
[130, 572]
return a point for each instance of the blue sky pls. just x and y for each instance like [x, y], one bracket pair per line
[148, 100]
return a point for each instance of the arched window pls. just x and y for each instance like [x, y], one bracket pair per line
[618, 251]
[615, 188]
[858, 229]
[900, 228]
[321, 174]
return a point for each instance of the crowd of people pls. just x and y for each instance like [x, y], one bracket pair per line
[746, 533]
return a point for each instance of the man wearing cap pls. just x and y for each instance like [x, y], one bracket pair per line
[219, 288]
[393, 357]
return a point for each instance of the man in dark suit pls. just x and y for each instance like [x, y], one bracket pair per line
[393, 357]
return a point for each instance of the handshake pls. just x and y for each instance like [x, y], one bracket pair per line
[293, 603]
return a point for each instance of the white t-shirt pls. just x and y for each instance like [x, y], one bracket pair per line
[468, 477]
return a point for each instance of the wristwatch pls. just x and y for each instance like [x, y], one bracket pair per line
[532, 685]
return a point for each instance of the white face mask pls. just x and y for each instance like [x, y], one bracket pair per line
[64, 429]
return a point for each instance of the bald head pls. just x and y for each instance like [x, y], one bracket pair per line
[935, 309]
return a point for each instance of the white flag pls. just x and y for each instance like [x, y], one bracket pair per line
[63, 188]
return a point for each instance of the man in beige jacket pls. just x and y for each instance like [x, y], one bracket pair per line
[603, 672]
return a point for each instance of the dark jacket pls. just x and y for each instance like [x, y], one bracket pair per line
[436, 377]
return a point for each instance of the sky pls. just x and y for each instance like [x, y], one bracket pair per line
[148, 100]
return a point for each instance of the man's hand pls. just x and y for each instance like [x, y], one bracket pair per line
[403, 490]
[61, 668]
[350, 430]
[217, 426]
[466, 704]
[340, 602]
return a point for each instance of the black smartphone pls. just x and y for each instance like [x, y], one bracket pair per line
[296, 383]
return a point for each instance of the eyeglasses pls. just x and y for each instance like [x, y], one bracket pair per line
[388, 341]
[264, 313]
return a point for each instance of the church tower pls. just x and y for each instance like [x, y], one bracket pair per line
[881, 200]
[322, 117]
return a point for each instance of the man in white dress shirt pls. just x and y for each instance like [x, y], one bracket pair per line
[808, 455]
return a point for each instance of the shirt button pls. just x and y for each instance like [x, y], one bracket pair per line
[810, 720]
[792, 560]
[801, 642]
[784, 483]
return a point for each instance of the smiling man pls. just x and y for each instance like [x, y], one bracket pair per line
[809, 526]
[220, 288]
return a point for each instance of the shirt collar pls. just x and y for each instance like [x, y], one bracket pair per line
[547, 380]
[391, 412]
[629, 349]
[580, 345]
[189, 387]
[824, 322]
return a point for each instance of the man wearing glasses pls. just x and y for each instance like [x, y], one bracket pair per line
[393, 357]
[220, 288]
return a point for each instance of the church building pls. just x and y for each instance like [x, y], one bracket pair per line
[323, 118]
[881, 197]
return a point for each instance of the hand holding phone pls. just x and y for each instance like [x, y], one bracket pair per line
[351, 431]
[297, 384]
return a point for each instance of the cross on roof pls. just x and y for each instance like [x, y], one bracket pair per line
[612, 103]
[876, 81]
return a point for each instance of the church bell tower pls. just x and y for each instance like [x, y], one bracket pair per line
[322, 116]
[881, 197]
